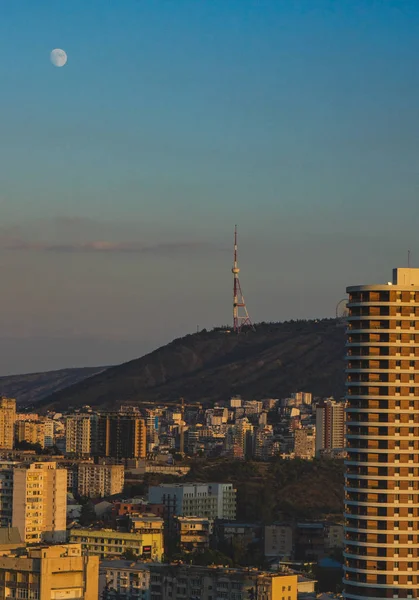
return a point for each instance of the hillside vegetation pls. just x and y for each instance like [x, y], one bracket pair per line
[272, 361]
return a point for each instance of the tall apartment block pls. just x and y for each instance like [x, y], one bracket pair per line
[78, 434]
[7, 423]
[382, 440]
[121, 436]
[40, 502]
[330, 426]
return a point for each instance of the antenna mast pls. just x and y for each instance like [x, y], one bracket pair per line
[240, 315]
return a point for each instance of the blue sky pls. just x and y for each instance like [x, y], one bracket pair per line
[123, 173]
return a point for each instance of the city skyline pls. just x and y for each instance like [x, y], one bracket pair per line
[124, 172]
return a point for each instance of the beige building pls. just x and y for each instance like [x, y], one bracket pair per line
[49, 573]
[32, 432]
[78, 433]
[330, 426]
[178, 582]
[305, 442]
[278, 540]
[108, 543]
[382, 439]
[7, 423]
[98, 481]
[40, 502]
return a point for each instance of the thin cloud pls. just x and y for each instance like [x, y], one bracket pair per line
[103, 246]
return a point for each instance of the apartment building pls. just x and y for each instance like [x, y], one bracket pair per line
[177, 582]
[278, 540]
[211, 500]
[382, 439]
[305, 442]
[32, 432]
[7, 423]
[40, 502]
[6, 492]
[78, 434]
[107, 543]
[193, 533]
[330, 426]
[121, 436]
[48, 573]
[98, 481]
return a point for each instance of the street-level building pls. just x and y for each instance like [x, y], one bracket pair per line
[48, 573]
[107, 543]
[382, 440]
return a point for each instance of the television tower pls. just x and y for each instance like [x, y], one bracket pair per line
[240, 315]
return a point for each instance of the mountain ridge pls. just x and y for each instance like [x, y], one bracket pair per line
[272, 361]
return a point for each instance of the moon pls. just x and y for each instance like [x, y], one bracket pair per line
[58, 57]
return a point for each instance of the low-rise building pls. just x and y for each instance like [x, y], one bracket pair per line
[193, 533]
[98, 481]
[124, 579]
[212, 500]
[48, 572]
[107, 543]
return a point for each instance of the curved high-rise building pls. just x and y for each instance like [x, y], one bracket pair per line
[382, 440]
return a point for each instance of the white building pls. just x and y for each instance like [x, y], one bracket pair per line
[78, 434]
[211, 500]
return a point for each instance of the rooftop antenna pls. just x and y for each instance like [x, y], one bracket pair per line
[408, 259]
[240, 315]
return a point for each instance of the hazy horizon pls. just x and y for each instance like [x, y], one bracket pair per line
[124, 172]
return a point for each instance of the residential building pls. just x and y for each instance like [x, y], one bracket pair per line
[7, 423]
[382, 439]
[6, 492]
[98, 481]
[49, 433]
[32, 432]
[40, 502]
[330, 428]
[278, 540]
[122, 435]
[303, 398]
[49, 572]
[212, 500]
[176, 582]
[305, 442]
[107, 543]
[78, 434]
[193, 533]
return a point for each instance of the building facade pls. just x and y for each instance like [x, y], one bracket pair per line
[40, 502]
[32, 432]
[330, 426]
[305, 442]
[7, 423]
[78, 434]
[98, 481]
[6, 492]
[211, 500]
[122, 436]
[125, 580]
[49, 573]
[106, 543]
[278, 540]
[382, 440]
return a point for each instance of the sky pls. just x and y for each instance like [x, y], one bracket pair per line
[123, 173]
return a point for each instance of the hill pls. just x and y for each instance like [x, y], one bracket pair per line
[33, 387]
[273, 361]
